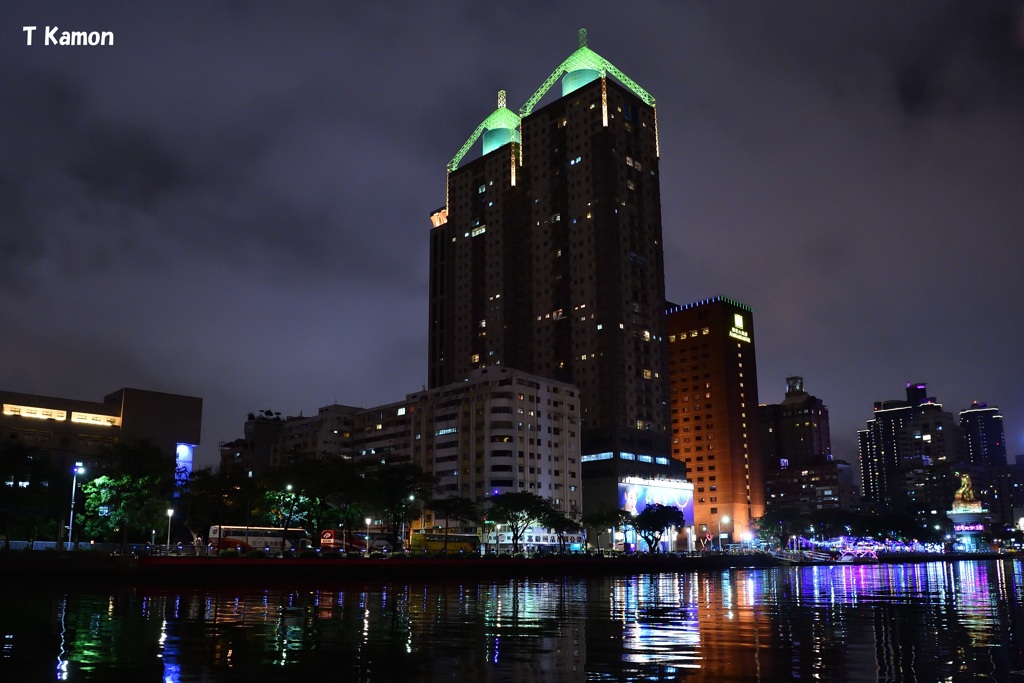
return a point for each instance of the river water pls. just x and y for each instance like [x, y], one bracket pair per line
[956, 621]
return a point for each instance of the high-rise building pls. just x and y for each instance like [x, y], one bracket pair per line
[547, 255]
[796, 431]
[500, 431]
[796, 446]
[908, 453]
[713, 401]
[983, 432]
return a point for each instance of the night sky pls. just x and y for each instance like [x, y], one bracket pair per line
[232, 202]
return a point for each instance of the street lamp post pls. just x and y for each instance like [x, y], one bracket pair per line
[366, 549]
[76, 470]
[720, 520]
[170, 513]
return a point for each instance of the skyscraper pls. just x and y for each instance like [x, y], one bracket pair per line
[713, 399]
[796, 446]
[796, 431]
[547, 255]
[908, 451]
[983, 431]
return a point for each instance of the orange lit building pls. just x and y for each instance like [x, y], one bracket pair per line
[713, 407]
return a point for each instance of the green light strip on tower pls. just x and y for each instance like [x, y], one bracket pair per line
[502, 117]
[584, 58]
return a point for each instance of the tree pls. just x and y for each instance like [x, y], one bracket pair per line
[133, 501]
[519, 511]
[213, 497]
[459, 508]
[652, 521]
[121, 507]
[391, 491]
[308, 487]
[781, 522]
[35, 495]
[601, 520]
[562, 526]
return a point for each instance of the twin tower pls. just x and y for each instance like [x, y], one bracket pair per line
[547, 255]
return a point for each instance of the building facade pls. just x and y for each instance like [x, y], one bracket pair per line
[910, 454]
[796, 445]
[500, 431]
[985, 438]
[714, 411]
[68, 431]
[547, 255]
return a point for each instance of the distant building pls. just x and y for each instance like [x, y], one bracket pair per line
[795, 432]
[823, 486]
[1007, 501]
[910, 453]
[983, 431]
[713, 406]
[796, 444]
[70, 430]
[498, 431]
[270, 438]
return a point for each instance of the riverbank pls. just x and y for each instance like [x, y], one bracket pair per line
[89, 566]
[100, 567]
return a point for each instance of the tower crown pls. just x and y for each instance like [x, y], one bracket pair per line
[581, 67]
[500, 128]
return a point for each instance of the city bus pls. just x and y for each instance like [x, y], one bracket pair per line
[434, 543]
[273, 539]
[349, 541]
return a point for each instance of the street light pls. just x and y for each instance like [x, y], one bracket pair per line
[76, 470]
[720, 520]
[366, 550]
[170, 513]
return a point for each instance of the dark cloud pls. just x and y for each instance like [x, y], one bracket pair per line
[968, 57]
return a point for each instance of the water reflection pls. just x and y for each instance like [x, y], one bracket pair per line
[938, 621]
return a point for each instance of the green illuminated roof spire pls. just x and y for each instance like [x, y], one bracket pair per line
[582, 66]
[501, 126]
[584, 60]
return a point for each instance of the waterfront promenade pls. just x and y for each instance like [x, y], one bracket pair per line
[100, 566]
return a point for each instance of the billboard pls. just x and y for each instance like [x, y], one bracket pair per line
[637, 494]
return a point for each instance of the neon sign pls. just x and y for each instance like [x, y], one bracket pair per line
[968, 527]
[737, 331]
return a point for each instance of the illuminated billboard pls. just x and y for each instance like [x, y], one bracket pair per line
[637, 494]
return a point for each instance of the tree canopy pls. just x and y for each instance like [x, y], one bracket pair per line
[518, 511]
[654, 519]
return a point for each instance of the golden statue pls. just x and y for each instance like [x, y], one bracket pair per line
[964, 494]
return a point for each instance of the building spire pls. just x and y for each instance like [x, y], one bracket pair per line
[583, 37]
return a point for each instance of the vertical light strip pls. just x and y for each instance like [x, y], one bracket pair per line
[657, 145]
[604, 103]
